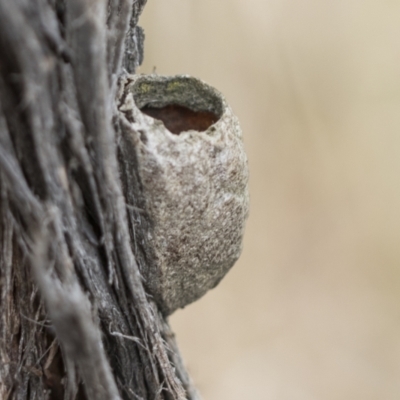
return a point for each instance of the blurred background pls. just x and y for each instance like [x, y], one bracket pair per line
[312, 308]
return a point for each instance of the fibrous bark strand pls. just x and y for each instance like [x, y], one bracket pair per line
[75, 321]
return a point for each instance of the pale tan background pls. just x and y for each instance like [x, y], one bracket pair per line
[312, 309]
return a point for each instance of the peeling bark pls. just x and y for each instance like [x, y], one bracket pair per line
[75, 321]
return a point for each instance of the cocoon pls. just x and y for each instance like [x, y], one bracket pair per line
[189, 163]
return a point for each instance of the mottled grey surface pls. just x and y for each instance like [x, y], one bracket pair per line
[195, 186]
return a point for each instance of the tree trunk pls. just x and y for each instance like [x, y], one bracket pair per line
[75, 321]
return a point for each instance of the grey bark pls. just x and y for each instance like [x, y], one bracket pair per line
[75, 321]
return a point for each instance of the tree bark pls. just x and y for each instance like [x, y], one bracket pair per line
[75, 320]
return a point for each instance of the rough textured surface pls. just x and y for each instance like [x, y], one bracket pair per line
[75, 320]
[194, 185]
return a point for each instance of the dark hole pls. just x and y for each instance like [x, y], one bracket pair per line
[179, 119]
